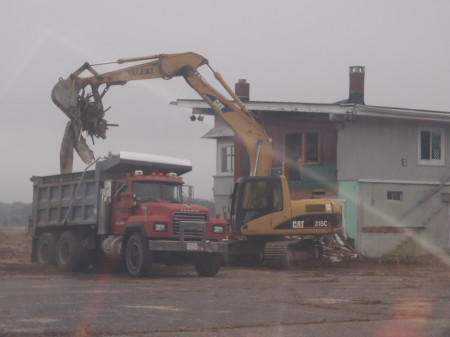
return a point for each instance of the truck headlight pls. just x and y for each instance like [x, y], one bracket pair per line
[159, 227]
[218, 229]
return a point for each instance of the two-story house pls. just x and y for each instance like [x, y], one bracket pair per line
[388, 167]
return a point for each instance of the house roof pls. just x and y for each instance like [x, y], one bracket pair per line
[338, 111]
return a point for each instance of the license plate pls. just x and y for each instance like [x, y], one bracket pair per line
[192, 246]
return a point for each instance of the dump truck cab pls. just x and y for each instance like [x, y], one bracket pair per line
[131, 208]
[157, 206]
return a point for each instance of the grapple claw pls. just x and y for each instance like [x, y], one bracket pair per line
[73, 140]
[65, 96]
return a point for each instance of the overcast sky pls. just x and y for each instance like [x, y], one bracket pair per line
[295, 51]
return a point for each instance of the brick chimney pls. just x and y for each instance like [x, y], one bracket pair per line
[242, 90]
[356, 92]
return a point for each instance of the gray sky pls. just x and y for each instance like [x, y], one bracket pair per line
[296, 51]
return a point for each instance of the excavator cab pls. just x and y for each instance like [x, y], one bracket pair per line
[254, 198]
[262, 206]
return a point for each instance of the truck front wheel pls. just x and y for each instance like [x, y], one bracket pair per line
[68, 252]
[207, 265]
[46, 249]
[137, 256]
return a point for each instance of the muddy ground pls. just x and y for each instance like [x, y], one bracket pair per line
[15, 258]
[15, 251]
[395, 297]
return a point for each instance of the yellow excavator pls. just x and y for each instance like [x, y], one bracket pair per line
[264, 221]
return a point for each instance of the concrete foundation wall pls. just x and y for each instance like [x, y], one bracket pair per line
[402, 227]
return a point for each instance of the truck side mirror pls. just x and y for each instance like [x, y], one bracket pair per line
[188, 193]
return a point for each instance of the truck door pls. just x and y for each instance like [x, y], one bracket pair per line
[122, 207]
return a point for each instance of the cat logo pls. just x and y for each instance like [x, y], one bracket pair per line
[298, 223]
[219, 105]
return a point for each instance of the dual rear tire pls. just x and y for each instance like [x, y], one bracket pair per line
[69, 252]
[46, 249]
[66, 251]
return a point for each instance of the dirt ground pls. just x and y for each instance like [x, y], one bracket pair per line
[15, 251]
[362, 297]
[15, 258]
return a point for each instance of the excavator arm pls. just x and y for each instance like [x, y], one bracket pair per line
[241, 120]
[86, 112]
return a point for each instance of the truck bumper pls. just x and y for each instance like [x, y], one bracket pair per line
[188, 246]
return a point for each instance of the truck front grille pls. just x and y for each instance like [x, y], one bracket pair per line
[195, 223]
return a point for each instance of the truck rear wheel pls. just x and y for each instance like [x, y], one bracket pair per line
[46, 249]
[68, 252]
[207, 265]
[137, 256]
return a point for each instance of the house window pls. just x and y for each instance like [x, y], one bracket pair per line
[311, 148]
[431, 146]
[226, 161]
[395, 195]
[301, 148]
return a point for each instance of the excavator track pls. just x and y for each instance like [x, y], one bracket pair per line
[280, 254]
[289, 254]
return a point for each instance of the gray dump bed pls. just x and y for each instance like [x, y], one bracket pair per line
[73, 198]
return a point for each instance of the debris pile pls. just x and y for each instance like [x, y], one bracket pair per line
[336, 249]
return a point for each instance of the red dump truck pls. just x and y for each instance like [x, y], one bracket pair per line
[130, 209]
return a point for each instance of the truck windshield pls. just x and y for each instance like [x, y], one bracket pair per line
[150, 191]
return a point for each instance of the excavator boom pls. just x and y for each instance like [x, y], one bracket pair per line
[65, 93]
[86, 112]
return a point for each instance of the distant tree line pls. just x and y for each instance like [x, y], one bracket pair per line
[15, 214]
